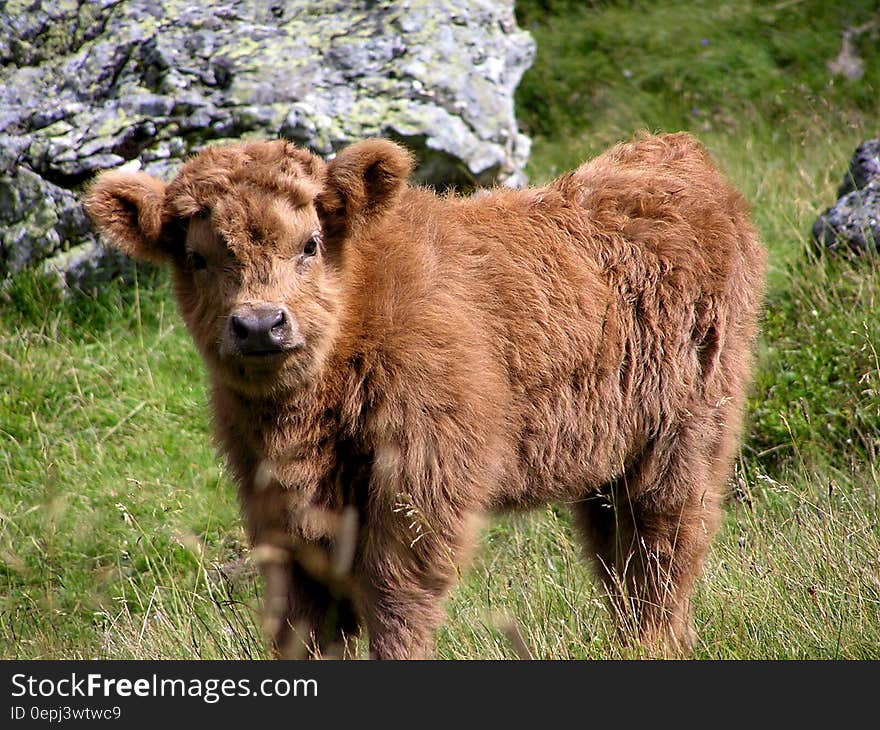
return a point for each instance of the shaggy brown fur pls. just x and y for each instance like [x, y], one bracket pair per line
[438, 358]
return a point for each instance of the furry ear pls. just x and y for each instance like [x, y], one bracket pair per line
[363, 180]
[129, 208]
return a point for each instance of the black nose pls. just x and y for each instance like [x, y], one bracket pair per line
[260, 330]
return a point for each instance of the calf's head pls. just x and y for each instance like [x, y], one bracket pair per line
[255, 235]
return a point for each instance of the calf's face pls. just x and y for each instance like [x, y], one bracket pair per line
[252, 282]
[254, 234]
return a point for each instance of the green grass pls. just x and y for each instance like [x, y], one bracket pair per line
[110, 483]
[119, 529]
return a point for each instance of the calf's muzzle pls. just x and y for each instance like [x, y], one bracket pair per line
[262, 329]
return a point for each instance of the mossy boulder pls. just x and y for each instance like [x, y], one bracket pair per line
[86, 87]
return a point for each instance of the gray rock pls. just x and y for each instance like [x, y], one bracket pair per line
[853, 222]
[86, 87]
[863, 167]
[37, 219]
[86, 266]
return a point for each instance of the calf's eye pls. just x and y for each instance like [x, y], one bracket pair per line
[311, 247]
[197, 261]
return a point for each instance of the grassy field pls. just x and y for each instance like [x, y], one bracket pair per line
[119, 531]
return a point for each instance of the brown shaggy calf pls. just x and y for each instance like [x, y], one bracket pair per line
[427, 360]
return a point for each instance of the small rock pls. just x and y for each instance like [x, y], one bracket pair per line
[853, 222]
[864, 167]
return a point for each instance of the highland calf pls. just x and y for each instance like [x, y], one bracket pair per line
[422, 361]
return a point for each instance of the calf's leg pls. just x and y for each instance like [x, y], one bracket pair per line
[647, 534]
[406, 576]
